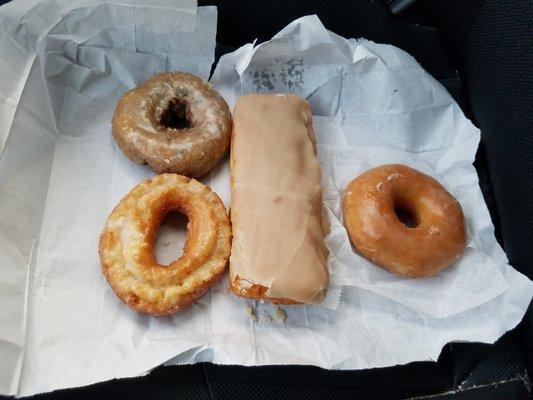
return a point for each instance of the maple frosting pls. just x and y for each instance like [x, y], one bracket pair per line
[278, 251]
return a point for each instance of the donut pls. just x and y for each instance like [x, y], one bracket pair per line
[404, 221]
[174, 122]
[127, 244]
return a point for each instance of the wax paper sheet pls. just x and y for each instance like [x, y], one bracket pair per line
[375, 105]
[61, 173]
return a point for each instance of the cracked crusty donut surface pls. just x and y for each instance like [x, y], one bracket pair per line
[174, 122]
[127, 244]
[371, 206]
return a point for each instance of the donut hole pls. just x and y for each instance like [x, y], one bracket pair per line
[176, 115]
[170, 238]
[406, 215]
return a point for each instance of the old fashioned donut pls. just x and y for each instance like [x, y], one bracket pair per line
[127, 244]
[430, 238]
[174, 122]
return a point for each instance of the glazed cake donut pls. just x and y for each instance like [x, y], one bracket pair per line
[433, 235]
[174, 122]
[127, 241]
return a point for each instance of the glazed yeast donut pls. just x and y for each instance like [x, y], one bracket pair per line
[278, 252]
[175, 122]
[433, 236]
[126, 244]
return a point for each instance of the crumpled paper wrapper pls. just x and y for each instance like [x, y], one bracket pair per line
[66, 65]
[374, 105]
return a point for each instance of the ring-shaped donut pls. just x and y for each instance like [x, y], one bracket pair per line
[371, 207]
[127, 244]
[174, 122]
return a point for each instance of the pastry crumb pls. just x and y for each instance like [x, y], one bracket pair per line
[251, 313]
[280, 313]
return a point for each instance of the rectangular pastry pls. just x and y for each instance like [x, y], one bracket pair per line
[278, 252]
